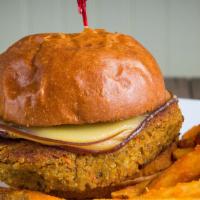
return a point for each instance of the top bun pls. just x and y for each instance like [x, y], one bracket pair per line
[93, 76]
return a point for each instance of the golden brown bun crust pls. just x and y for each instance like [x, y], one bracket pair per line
[93, 76]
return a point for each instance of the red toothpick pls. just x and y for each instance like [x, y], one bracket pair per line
[82, 11]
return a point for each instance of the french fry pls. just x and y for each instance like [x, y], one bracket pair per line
[150, 171]
[192, 133]
[187, 143]
[191, 138]
[160, 163]
[185, 169]
[131, 191]
[15, 194]
[189, 190]
[179, 153]
[197, 139]
[174, 182]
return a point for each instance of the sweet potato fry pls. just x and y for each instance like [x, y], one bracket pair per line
[197, 139]
[187, 143]
[151, 170]
[191, 138]
[189, 190]
[179, 153]
[160, 163]
[191, 133]
[174, 182]
[14, 194]
[131, 191]
[185, 169]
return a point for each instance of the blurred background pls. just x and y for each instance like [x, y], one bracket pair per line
[170, 29]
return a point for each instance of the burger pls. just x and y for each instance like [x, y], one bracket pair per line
[82, 114]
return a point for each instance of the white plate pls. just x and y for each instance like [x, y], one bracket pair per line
[191, 112]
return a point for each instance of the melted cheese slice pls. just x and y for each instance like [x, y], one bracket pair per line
[86, 133]
[93, 138]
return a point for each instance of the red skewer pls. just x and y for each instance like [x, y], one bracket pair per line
[82, 11]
